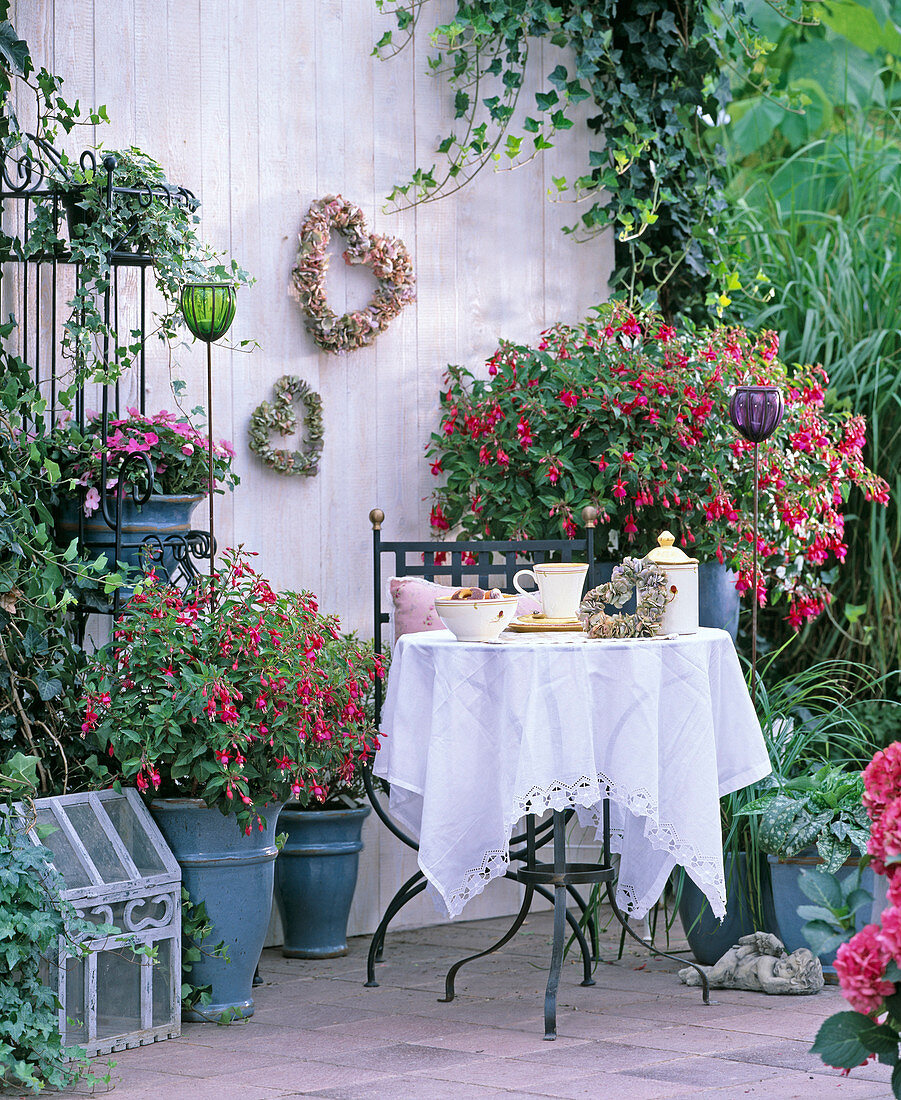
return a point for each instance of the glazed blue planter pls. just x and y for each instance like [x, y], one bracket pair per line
[718, 599]
[232, 874]
[315, 878]
[158, 519]
[787, 896]
[710, 940]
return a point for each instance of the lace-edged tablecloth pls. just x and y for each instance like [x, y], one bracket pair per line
[477, 735]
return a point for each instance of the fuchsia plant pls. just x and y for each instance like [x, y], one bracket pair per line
[626, 413]
[177, 450]
[238, 695]
[869, 965]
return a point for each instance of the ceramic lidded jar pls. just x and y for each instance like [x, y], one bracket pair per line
[681, 614]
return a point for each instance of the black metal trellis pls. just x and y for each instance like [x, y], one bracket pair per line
[34, 173]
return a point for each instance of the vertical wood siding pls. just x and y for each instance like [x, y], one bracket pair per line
[259, 107]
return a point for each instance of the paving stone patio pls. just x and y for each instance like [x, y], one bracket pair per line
[637, 1034]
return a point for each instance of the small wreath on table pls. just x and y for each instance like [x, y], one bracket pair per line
[386, 256]
[280, 415]
[649, 582]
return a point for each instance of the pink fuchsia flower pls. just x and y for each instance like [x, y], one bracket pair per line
[884, 845]
[882, 779]
[860, 965]
[187, 449]
[91, 501]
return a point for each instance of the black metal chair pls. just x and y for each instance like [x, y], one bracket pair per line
[490, 563]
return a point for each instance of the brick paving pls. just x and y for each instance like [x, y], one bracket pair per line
[637, 1034]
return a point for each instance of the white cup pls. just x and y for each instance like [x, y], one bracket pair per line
[559, 587]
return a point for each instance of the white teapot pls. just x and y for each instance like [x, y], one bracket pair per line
[681, 614]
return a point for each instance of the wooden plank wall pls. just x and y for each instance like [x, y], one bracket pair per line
[260, 106]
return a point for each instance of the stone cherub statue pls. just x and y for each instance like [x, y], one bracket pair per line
[760, 962]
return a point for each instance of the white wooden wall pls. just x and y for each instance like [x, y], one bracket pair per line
[260, 106]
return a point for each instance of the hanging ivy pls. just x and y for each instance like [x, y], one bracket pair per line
[651, 71]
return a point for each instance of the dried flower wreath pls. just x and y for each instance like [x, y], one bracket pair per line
[387, 256]
[281, 416]
[649, 582]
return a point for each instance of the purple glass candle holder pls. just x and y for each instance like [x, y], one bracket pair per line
[756, 411]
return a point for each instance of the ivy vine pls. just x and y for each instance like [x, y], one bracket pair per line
[652, 72]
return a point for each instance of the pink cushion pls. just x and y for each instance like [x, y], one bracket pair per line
[413, 600]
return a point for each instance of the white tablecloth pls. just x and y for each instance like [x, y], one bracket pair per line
[476, 735]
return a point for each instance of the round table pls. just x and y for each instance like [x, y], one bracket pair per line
[478, 734]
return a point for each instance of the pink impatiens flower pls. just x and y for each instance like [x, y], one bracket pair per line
[91, 502]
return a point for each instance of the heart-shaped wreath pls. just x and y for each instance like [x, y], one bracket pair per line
[387, 256]
[281, 416]
[648, 580]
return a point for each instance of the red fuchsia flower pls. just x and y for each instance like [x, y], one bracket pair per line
[436, 467]
[650, 398]
[860, 965]
[503, 459]
[882, 780]
[437, 518]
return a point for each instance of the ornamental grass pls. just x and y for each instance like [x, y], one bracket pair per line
[630, 415]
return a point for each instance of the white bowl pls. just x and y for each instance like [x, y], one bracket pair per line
[476, 620]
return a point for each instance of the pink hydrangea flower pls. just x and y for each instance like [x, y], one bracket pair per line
[882, 779]
[860, 965]
[890, 934]
[885, 838]
[893, 894]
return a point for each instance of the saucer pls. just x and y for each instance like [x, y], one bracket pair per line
[536, 621]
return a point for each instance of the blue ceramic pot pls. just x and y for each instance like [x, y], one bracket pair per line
[710, 940]
[157, 520]
[718, 599]
[787, 896]
[232, 874]
[315, 877]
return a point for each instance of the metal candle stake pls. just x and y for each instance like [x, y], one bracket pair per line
[209, 309]
[756, 412]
